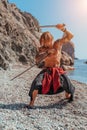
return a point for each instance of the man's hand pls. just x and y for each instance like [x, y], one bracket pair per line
[60, 26]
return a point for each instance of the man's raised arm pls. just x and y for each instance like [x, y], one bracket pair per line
[67, 36]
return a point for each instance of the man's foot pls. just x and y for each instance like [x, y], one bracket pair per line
[67, 95]
[72, 95]
[70, 99]
[29, 107]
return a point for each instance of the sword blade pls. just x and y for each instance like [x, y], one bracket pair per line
[46, 26]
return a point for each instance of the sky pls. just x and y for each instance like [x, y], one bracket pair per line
[51, 12]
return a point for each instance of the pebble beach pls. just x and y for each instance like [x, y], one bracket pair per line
[51, 112]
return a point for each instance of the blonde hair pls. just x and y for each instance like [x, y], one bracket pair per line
[46, 39]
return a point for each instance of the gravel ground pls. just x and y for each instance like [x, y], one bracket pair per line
[51, 112]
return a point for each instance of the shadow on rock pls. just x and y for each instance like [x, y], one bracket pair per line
[16, 106]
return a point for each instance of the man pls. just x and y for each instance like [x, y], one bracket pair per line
[52, 79]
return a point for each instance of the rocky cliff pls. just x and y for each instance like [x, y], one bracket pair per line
[18, 43]
[67, 60]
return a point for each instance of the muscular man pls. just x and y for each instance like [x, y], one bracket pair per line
[53, 59]
[51, 79]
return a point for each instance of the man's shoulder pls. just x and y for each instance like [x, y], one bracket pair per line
[57, 44]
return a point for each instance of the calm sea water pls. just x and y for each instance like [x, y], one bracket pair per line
[80, 72]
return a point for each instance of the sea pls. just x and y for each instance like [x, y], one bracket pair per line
[80, 72]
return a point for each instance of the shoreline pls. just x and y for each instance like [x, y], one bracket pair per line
[52, 112]
[78, 82]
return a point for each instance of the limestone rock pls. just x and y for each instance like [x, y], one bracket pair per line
[67, 61]
[17, 40]
[69, 49]
[68, 55]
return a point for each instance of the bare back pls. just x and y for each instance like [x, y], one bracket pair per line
[54, 57]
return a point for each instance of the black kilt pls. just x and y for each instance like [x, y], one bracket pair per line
[66, 84]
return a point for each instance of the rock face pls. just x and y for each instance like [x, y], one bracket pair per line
[69, 49]
[18, 43]
[67, 60]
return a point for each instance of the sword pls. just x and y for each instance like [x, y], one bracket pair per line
[45, 26]
[28, 68]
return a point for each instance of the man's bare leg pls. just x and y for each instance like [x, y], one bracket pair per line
[67, 95]
[34, 94]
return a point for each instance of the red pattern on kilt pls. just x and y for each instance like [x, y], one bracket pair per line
[53, 78]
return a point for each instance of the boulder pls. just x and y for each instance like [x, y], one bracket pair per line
[67, 61]
[68, 56]
[69, 49]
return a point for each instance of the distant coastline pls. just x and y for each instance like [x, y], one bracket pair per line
[76, 58]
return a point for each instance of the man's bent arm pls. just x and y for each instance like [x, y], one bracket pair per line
[66, 37]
